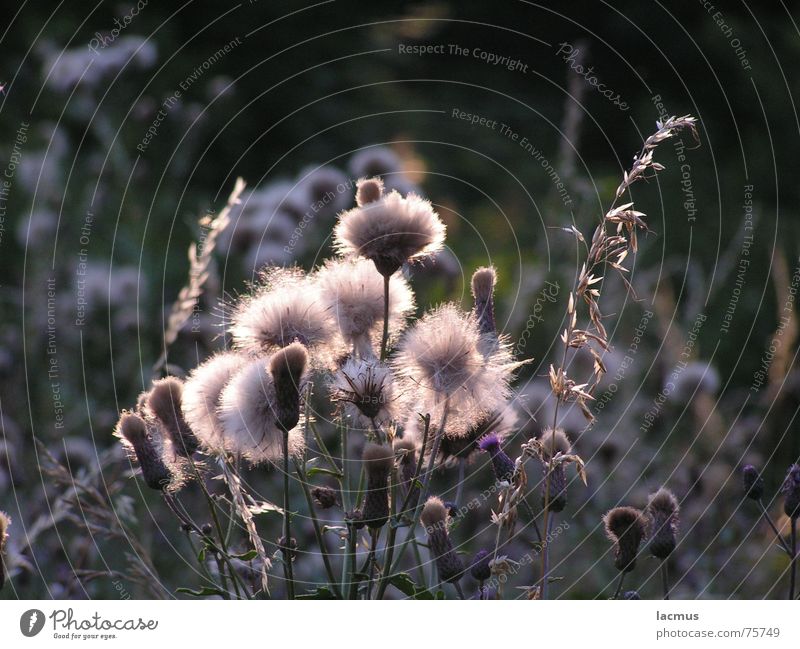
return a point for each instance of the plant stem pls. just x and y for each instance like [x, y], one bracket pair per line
[619, 585]
[385, 337]
[288, 570]
[350, 561]
[778, 536]
[462, 465]
[437, 440]
[793, 569]
[665, 578]
[458, 590]
[317, 531]
[372, 559]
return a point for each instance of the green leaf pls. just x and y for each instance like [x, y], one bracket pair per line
[322, 592]
[246, 556]
[403, 582]
[318, 469]
[206, 591]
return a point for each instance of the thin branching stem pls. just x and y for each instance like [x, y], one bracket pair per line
[778, 537]
[385, 337]
[665, 578]
[619, 585]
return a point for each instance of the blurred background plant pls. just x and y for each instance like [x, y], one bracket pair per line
[119, 143]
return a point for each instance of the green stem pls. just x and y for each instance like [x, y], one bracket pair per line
[352, 539]
[619, 585]
[778, 536]
[385, 337]
[793, 570]
[317, 531]
[288, 569]
[665, 578]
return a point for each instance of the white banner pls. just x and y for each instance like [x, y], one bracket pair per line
[143, 624]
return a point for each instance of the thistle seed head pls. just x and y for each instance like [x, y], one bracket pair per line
[663, 509]
[201, 399]
[390, 232]
[625, 527]
[287, 367]
[165, 404]
[368, 190]
[133, 430]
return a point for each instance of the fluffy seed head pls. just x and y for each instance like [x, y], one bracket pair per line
[286, 308]
[753, 482]
[353, 293]
[390, 231]
[555, 442]
[434, 513]
[165, 403]
[625, 527]
[791, 492]
[434, 518]
[439, 359]
[663, 509]
[287, 367]
[368, 190]
[249, 412]
[139, 441]
[367, 388]
[201, 398]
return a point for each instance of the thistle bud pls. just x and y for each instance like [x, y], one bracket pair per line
[480, 568]
[625, 527]
[483, 282]
[434, 518]
[753, 482]
[368, 190]
[555, 442]
[631, 594]
[287, 367]
[502, 465]
[407, 467]
[5, 522]
[164, 403]
[355, 517]
[663, 510]
[324, 497]
[378, 464]
[791, 491]
[133, 429]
